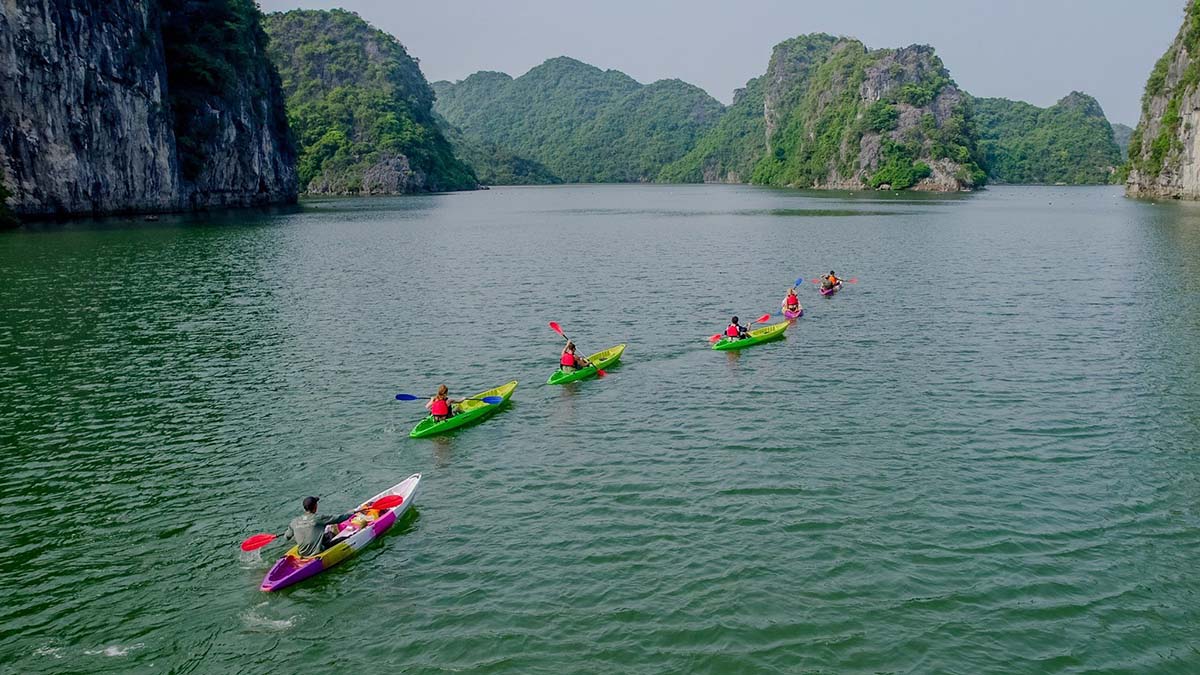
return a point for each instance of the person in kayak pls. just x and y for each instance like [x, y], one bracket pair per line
[830, 281]
[569, 361]
[791, 302]
[441, 406]
[735, 330]
[311, 531]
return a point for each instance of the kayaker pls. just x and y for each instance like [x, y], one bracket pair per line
[569, 361]
[831, 280]
[791, 302]
[441, 406]
[735, 330]
[310, 530]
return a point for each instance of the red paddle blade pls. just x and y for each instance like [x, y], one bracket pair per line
[816, 281]
[715, 338]
[763, 319]
[600, 373]
[854, 280]
[388, 502]
[257, 541]
[556, 328]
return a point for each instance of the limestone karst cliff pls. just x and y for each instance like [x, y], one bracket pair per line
[1164, 151]
[111, 106]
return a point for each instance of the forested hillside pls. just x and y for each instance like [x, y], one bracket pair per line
[581, 122]
[1070, 142]
[360, 108]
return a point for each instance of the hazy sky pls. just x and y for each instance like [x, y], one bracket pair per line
[1033, 50]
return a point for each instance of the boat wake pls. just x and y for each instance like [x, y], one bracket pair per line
[114, 650]
[251, 560]
[259, 623]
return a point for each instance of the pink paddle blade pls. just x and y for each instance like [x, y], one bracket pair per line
[556, 328]
[715, 338]
[257, 541]
[763, 319]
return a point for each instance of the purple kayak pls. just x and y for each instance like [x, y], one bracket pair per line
[355, 534]
[832, 289]
[789, 314]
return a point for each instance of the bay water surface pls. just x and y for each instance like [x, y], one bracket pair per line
[982, 457]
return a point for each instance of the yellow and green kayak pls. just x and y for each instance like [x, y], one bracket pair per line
[754, 337]
[468, 412]
[599, 360]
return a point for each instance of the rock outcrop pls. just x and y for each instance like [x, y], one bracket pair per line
[840, 116]
[1164, 151]
[97, 116]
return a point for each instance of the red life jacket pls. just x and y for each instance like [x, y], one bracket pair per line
[440, 407]
[732, 331]
[568, 359]
[791, 300]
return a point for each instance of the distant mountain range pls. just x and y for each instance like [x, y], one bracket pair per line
[257, 108]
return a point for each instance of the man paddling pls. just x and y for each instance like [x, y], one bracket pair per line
[309, 529]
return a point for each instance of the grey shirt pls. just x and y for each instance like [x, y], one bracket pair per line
[308, 530]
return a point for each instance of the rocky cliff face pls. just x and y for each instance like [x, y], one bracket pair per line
[841, 116]
[1164, 151]
[88, 124]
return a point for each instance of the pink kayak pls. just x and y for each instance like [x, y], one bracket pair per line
[832, 289]
[789, 314]
[355, 534]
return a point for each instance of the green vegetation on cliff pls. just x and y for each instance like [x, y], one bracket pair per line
[1151, 160]
[208, 45]
[729, 152]
[495, 165]
[1069, 142]
[582, 123]
[360, 108]
[840, 115]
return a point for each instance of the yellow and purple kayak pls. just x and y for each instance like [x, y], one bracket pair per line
[356, 533]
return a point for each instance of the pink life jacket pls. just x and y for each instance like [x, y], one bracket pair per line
[568, 359]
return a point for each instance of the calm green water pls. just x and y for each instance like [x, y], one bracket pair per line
[999, 472]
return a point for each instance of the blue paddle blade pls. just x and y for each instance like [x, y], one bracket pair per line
[800, 281]
[492, 400]
[406, 397]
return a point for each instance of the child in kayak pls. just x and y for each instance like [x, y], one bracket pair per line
[569, 361]
[791, 303]
[830, 281]
[735, 330]
[441, 406]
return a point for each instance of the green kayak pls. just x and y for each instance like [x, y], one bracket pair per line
[468, 412]
[599, 360]
[754, 337]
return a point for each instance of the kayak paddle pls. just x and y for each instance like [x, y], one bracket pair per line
[490, 400]
[388, 502]
[558, 329]
[258, 541]
[762, 319]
